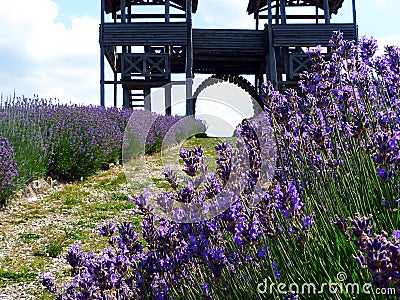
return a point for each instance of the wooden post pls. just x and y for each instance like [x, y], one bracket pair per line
[123, 11]
[355, 17]
[272, 59]
[147, 99]
[102, 97]
[123, 20]
[168, 88]
[283, 11]
[126, 92]
[128, 19]
[189, 60]
[126, 98]
[257, 13]
[277, 12]
[167, 11]
[327, 12]
[115, 88]
[129, 11]
[257, 20]
[168, 103]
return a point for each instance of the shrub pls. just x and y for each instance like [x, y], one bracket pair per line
[338, 164]
[8, 170]
[23, 126]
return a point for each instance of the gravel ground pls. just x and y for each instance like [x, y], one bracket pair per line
[41, 216]
[31, 222]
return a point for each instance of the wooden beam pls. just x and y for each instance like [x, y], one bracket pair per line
[167, 11]
[256, 13]
[168, 88]
[294, 17]
[154, 16]
[189, 60]
[123, 11]
[126, 92]
[355, 17]
[303, 35]
[102, 96]
[326, 12]
[283, 11]
[147, 99]
[126, 98]
[115, 88]
[168, 103]
[272, 59]
[145, 33]
[129, 11]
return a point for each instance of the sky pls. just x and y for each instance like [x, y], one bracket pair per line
[50, 48]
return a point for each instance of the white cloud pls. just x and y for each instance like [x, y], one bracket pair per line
[388, 40]
[223, 14]
[380, 2]
[43, 56]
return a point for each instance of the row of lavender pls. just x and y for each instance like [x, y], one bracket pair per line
[68, 142]
[325, 229]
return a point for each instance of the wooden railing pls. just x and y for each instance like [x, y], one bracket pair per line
[147, 65]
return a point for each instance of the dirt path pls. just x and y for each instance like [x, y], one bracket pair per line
[37, 227]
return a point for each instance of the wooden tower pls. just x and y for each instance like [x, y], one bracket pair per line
[289, 34]
[145, 49]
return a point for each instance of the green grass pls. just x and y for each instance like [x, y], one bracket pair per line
[56, 247]
[7, 277]
[88, 202]
[111, 183]
[161, 183]
[29, 237]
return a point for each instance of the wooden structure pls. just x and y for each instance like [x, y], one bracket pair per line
[169, 45]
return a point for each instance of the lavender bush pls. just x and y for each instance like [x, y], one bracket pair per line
[72, 141]
[8, 170]
[22, 124]
[338, 167]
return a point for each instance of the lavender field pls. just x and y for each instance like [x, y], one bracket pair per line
[70, 142]
[324, 226]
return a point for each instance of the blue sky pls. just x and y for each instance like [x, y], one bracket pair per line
[50, 47]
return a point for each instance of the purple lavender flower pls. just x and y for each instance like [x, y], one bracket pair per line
[191, 160]
[275, 269]
[48, 283]
[8, 170]
[368, 48]
[396, 235]
[108, 228]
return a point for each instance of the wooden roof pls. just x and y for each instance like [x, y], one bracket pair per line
[114, 5]
[334, 5]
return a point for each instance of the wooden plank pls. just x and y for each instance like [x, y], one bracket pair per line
[145, 34]
[153, 16]
[229, 40]
[309, 34]
[295, 17]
